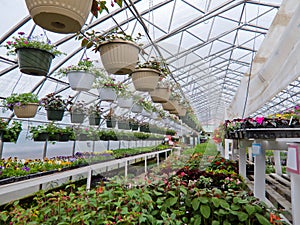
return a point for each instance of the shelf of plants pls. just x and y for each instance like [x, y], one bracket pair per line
[68, 167]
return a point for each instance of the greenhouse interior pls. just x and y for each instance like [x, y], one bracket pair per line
[150, 112]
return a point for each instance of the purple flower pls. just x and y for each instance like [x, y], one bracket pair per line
[9, 42]
[25, 168]
[21, 33]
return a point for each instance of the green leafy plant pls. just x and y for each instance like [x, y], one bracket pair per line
[96, 39]
[12, 132]
[109, 82]
[79, 107]
[30, 42]
[84, 65]
[20, 99]
[55, 102]
[155, 64]
[94, 110]
[98, 6]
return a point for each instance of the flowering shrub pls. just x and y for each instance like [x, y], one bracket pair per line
[20, 99]
[30, 42]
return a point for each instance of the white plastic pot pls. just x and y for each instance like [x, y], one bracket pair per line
[124, 102]
[107, 94]
[145, 79]
[160, 95]
[80, 80]
[136, 108]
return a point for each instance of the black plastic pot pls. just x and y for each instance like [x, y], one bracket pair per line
[110, 123]
[55, 115]
[41, 137]
[77, 117]
[94, 120]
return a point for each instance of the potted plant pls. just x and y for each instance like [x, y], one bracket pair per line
[146, 76]
[11, 133]
[34, 54]
[110, 119]
[64, 16]
[109, 88]
[134, 124]
[162, 92]
[24, 105]
[173, 103]
[144, 127]
[118, 51]
[78, 111]
[123, 123]
[81, 76]
[55, 106]
[94, 113]
[125, 100]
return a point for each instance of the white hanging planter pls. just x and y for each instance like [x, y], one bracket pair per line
[80, 80]
[160, 95]
[119, 56]
[107, 94]
[63, 16]
[124, 102]
[145, 79]
[136, 108]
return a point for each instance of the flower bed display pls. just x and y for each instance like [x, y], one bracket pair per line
[179, 199]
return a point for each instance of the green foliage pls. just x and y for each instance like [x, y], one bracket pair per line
[20, 99]
[30, 42]
[11, 133]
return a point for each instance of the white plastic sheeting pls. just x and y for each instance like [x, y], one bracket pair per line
[276, 64]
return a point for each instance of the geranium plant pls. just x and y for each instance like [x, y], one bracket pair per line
[20, 100]
[98, 6]
[79, 107]
[23, 41]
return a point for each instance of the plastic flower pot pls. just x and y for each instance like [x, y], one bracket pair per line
[119, 56]
[77, 117]
[34, 61]
[111, 123]
[26, 111]
[41, 137]
[80, 81]
[160, 95]
[63, 137]
[136, 108]
[82, 137]
[94, 120]
[145, 113]
[134, 126]
[53, 137]
[124, 102]
[145, 79]
[55, 115]
[63, 16]
[171, 105]
[124, 125]
[107, 94]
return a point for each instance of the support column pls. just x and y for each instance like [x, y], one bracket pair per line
[126, 169]
[74, 147]
[157, 159]
[145, 164]
[278, 168]
[89, 179]
[242, 162]
[45, 149]
[295, 196]
[250, 154]
[260, 175]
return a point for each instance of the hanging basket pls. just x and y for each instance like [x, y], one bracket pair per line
[80, 80]
[34, 61]
[124, 102]
[77, 117]
[26, 111]
[63, 137]
[94, 120]
[63, 16]
[136, 108]
[119, 56]
[181, 111]
[160, 95]
[55, 115]
[107, 94]
[170, 105]
[145, 113]
[145, 79]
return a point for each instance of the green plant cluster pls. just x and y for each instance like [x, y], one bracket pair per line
[20, 99]
[30, 42]
[51, 129]
[11, 133]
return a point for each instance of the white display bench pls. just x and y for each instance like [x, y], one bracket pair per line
[10, 192]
